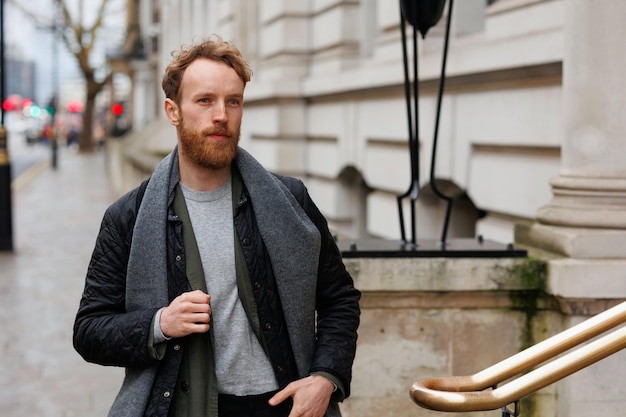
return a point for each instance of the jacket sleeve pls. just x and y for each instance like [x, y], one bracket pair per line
[337, 303]
[104, 332]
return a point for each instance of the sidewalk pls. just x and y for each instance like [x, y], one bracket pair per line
[56, 216]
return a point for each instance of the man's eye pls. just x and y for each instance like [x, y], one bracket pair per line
[234, 102]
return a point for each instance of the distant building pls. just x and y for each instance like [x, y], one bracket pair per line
[21, 75]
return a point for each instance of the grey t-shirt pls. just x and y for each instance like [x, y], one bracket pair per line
[242, 367]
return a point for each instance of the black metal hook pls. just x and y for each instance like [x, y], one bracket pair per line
[422, 16]
[508, 413]
[449, 200]
[413, 124]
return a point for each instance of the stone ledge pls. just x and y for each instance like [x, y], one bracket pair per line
[447, 274]
[487, 300]
[574, 242]
[587, 278]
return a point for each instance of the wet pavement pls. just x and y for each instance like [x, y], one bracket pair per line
[56, 216]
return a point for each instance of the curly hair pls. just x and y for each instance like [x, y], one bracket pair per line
[213, 48]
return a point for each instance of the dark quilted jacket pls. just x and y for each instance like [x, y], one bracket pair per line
[106, 334]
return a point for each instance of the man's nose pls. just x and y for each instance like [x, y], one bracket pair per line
[219, 113]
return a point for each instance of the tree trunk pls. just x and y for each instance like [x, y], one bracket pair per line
[86, 143]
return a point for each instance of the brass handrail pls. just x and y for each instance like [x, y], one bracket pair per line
[466, 393]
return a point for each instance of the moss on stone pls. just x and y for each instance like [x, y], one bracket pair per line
[528, 406]
[529, 274]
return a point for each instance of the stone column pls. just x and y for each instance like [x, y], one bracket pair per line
[586, 218]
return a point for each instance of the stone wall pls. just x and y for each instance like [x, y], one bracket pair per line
[426, 317]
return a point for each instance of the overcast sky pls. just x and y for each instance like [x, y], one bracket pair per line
[18, 30]
[37, 45]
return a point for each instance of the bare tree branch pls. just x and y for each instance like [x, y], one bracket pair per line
[73, 44]
[79, 39]
[37, 19]
[99, 20]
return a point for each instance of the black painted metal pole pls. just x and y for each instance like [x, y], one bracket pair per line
[54, 140]
[442, 79]
[6, 216]
[412, 107]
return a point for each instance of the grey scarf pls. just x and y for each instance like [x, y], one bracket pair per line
[291, 239]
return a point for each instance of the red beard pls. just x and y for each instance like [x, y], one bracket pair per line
[208, 153]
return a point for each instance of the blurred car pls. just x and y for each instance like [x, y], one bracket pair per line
[34, 131]
[34, 135]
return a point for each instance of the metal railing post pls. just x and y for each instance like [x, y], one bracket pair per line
[6, 216]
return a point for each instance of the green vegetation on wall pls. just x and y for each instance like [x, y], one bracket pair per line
[530, 278]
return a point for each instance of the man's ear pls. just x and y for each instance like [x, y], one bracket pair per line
[172, 111]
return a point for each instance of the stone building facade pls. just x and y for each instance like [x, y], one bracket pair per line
[327, 104]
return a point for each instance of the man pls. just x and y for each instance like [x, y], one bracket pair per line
[216, 284]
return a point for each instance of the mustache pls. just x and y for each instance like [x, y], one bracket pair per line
[216, 130]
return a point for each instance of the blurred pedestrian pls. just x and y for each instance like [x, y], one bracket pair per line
[216, 283]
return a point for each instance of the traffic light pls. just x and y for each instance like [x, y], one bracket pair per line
[12, 103]
[117, 109]
[121, 119]
[8, 105]
[52, 106]
[75, 106]
[34, 111]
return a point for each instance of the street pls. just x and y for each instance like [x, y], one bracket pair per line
[23, 156]
[56, 216]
